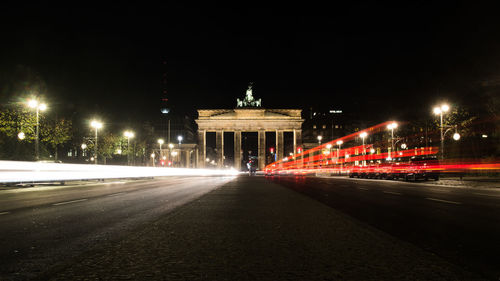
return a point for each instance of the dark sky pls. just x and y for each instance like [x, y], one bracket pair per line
[384, 60]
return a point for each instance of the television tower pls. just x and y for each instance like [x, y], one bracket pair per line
[165, 110]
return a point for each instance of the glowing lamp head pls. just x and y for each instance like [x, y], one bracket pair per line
[153, 155]
[329, 146]
[21, 135]
[179, 138]
[320, 138]
[456, 136]
[437, 110]
[42, 107]
[118, 151]
[363, 135]
[339, 142]
[33, 103]
[372, 150]
[96, 124]
[128, 134]
[445, 108]
[403, 146]
[160, 141]
[171, 145]
[84, 146]
[392, 126]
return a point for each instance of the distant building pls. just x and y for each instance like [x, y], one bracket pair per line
[329, 123]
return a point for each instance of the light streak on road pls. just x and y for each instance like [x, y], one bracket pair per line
[354, 159]
[26, 172]
[70, 202]
[444, 201]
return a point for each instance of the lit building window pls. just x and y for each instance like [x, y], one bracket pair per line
[336, 126]
[324, 126]
[314, 126]
[70, 153]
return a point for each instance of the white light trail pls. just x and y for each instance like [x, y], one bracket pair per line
[26, 172]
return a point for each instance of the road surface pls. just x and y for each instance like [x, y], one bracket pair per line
[460, 224]
[45, 225]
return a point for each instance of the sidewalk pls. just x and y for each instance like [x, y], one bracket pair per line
[251, 229]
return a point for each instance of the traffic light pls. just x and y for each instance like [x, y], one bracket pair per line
[271, 150]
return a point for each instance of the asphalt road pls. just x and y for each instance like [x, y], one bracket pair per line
[43, 226]
[459, 224]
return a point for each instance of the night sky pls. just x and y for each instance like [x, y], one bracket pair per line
[393, 60]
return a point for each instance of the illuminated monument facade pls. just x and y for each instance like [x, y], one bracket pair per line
[248, 116]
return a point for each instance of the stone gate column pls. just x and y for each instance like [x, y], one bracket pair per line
[188, 158]
[297, 140]
[280, 144]
[237, 150]
[202, 152]
[219, 144]
[262, 149]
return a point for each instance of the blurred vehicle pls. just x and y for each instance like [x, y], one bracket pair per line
[421, 167]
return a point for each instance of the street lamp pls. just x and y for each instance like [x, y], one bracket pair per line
[160, 142]
[38, 107]
[84, 146]
[128, 135]
[329, 147]
[319, 139]
[153, 158]
[363, 136]
[391, 127]
[339, 143]
[96, 125]
[439, 110]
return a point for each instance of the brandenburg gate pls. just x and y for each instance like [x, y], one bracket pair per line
[248, 116]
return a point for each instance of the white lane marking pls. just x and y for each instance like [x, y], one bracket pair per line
[114, 194]
[484, 194]
[4, 213]
[362, 188]
[443, 201]
[69, 202]
[392, 192]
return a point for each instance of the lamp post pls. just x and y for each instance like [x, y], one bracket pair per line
[38, 107]
[96, 125]
[180, 138]
[339, 143]
[439, 110]
[128, 135]
[391, 127]
[160, 142]
[171, 147]
[329, 147]
[84, 146]
[363, 136]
